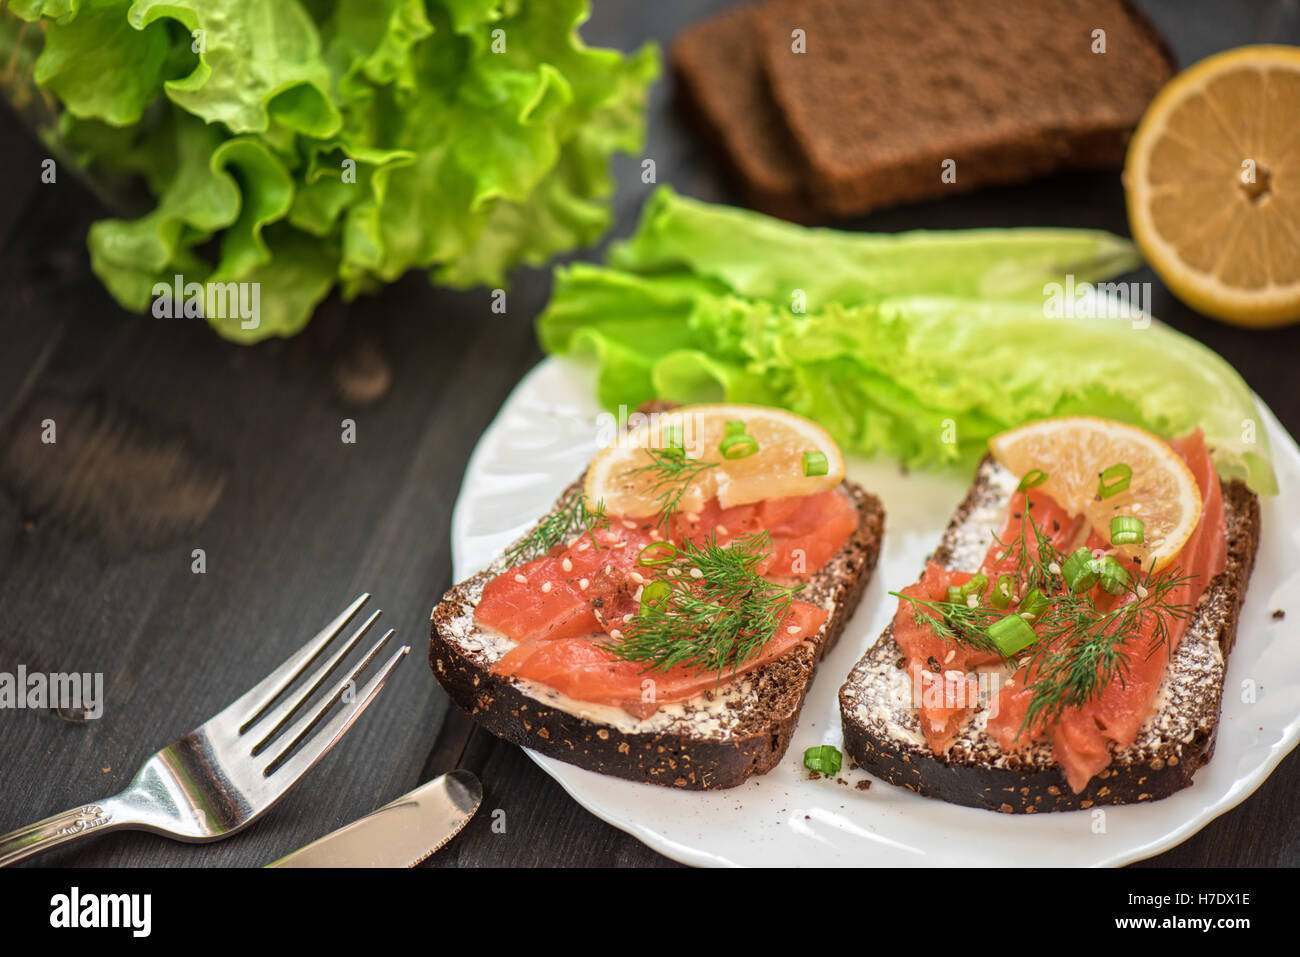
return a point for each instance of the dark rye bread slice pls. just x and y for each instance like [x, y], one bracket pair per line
[723, 91]
[882, 732]
[886, 92]
[714, 741]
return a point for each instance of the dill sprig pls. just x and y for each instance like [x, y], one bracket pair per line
[573, 519]
[671, 473]
[719, 613]
[1082, 646]
[956, 622]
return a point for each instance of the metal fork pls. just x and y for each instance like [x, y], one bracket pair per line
[225, 773]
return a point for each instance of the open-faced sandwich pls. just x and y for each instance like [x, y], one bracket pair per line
[1066, 645]
[663, 622]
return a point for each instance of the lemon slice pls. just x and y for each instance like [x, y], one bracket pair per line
[1074, 451]
[1213, 185]
[771, 454]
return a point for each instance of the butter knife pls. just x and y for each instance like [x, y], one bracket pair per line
[400, 834]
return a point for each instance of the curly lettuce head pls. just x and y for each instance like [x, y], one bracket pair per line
[302, 144]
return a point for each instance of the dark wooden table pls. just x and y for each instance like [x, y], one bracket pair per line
[170, 439]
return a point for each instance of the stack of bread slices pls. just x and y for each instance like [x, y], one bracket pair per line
[826, 109]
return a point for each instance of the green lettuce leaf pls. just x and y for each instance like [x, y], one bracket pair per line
[60, 11]
[920, 374]
[769, 259]
[295, 276]
[377, 136]
[259, 59]
[511, 148]
[130, 256]
[82, 62]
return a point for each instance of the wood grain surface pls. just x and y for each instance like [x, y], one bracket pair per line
[172, 440]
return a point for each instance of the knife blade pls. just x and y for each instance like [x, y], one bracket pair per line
[400, 834]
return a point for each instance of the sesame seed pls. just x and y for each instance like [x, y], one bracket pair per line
[619, 545]
[792, 629]
[567, 565]
[583, 546]
[637, 577]
[627, 618]
[692, 517]
[972, 601]
[616, 634]
[1054, 568]
[609, 569]
[722, 530]
[627, 524]
[696, 573]
[546, 587]
[654, 533]
[951, 655]
[1142, 592]
[583, 583]
[521, 579]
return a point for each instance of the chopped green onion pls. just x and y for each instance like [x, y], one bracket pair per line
[814, 463]
[735, 427]
[958, 595]
[655, 594]
[1011, 634]
[1033, 478]
[824, 759]
[672, 436]
[657, 553]
[1033, 604]
[1127, 530]
[1003, 590]
[1114, 480]
[1080, 571]
[738, 446]
[1114, 578]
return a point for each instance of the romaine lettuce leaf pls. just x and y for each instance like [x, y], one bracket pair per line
[768, 258]
[915, 371]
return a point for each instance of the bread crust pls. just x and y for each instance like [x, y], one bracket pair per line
[1150, 769]
[764, 719]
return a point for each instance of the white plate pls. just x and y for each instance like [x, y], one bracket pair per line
[544, 437]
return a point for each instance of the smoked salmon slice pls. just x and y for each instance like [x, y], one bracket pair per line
[1082, 737]
[1124, 706]
[586, 672]
[562, 607]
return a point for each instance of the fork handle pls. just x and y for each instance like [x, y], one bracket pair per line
[56, 830]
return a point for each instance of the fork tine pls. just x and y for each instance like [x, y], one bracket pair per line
[279, 716]
[303, 727]
[324, 739]
[249, 707]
